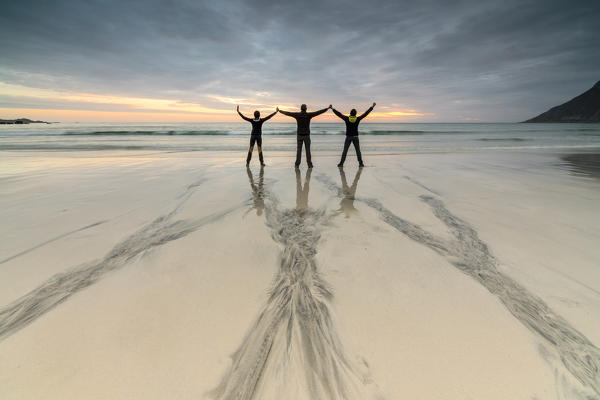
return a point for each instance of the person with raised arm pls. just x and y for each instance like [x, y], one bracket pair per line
[256, 135]
[303, 133]
[352, 122]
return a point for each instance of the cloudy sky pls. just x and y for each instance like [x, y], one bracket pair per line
[442, 61]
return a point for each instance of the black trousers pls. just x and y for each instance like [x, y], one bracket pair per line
[258, 140]
[353, 140]
[300, 140]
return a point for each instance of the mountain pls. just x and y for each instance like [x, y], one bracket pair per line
[583, 108]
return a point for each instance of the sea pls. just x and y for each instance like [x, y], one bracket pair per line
[383, 138]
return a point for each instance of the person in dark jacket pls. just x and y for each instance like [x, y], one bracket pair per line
[303, 134]
[352, 122]
[256, 135]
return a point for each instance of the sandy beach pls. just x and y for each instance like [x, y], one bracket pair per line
[454, 254]
[130, 274]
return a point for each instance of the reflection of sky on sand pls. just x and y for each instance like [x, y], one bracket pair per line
[472, 256]
[499, 195]
[20, 163]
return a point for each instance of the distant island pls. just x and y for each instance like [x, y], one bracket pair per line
[21, 121]
[583, 108]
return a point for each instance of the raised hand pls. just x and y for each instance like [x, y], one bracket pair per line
[374, 104]
[277, 109]
[238, 108]
[330, 106]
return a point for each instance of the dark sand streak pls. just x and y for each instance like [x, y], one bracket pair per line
[472, 256]
[61, 286]
[421, 185]
[293, 347]
[53, 240]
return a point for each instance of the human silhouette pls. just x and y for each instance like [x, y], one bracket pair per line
[256, 134]
[349, 193]
[258, 195]
[303, 133]
[352, 122]
[302, 192]
[294, 336]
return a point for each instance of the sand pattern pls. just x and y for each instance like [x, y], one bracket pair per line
[54, 239]
[292, 350]
[62, 286]
[472, 256]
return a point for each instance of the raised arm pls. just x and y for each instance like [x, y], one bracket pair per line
[315, 113]
[366, 112]
[288, 113]
[339, 114]
[270, 115]
[242, 115]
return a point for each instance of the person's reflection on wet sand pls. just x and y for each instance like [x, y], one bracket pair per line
[258, 195]
[347, 202]
[292, 349]
[302, 192]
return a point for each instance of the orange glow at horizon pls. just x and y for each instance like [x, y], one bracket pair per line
[59, 115]
[55, 115]
[141, 109]
[405, 113]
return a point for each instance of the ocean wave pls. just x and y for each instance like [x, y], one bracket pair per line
[148, 133]
[584, 129]
[394, 132]
[420, 132]
[172, 133]
[503, 139]
[234, 133]
[316, 131]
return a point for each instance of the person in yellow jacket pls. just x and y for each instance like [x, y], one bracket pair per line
[352, 122]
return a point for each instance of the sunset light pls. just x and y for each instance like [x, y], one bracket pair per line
[72, 106]
[299, 200]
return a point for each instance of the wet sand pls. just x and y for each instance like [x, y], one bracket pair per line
[585, 164]
[186, 275]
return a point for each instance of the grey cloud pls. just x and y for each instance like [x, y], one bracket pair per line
[496, 61]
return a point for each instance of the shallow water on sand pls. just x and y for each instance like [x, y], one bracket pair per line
[186, 275]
